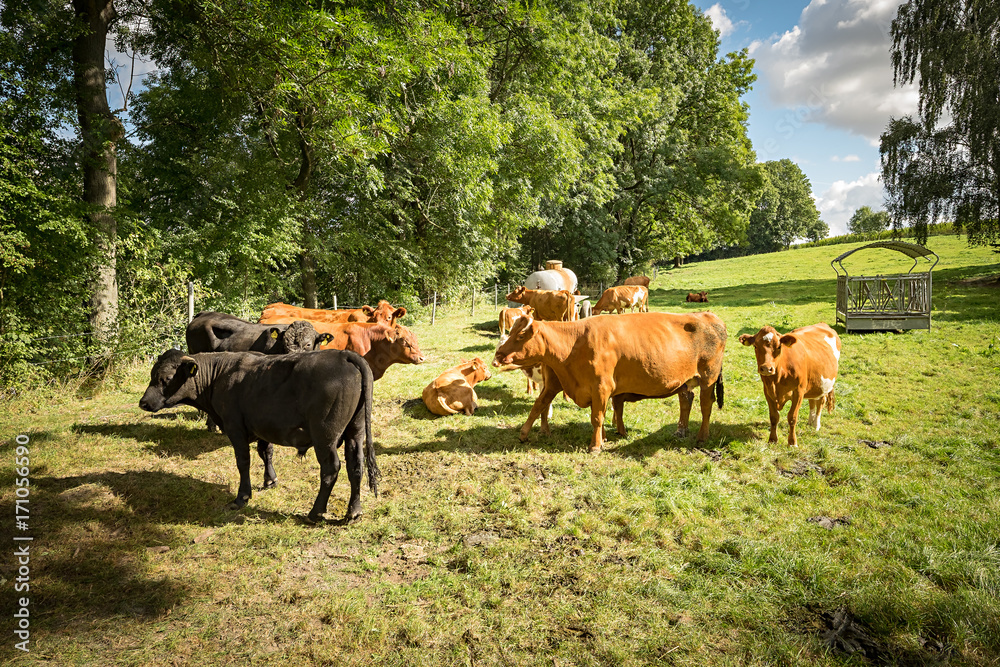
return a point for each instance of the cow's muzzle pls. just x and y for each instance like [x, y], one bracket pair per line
[765, 370]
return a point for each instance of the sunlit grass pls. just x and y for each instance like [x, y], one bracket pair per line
[485, 550]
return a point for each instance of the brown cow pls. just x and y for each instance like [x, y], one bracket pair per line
[697, 297]
[380, 344]
[799, 365]
[552, 305]
[280, 313]
[637, 280]
[627, 358]
[508, 316]
[454, 390]
[622, 297]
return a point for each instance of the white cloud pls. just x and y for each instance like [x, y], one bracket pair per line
[834, 68]
[846, 158]
[842, 199]
[720, 21]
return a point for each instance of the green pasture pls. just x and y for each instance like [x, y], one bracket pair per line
[877, 541]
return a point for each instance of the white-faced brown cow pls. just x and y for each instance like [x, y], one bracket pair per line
[454, 390]
[799, 365]
[507, 318]
[551, 305]
[627, 358]
[621, 297]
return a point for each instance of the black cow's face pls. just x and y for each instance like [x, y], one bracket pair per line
[170, 382]
[301, 336]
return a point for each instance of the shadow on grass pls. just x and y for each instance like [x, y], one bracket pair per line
[167, 440]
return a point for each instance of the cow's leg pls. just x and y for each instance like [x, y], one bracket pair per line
[686, 398]
[816, 410]
[618, 405]
[241, 448]
[772, 408]
[354, 441]
[329, 469]
[541, 408]
[705, 401]
[793, 417]
[265, 450]
[598, 406]
[471, 407]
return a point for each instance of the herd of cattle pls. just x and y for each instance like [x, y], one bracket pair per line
[303, 377]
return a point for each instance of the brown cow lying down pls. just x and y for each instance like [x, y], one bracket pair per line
[799, 365]
[551, 305]
[698, 297]
[621, 297]
[627, 358]
[454, 390]
[508, 316]
[279, 313]
[637, 280]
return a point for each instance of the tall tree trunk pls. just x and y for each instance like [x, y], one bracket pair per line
[100, 131]
[307, 261]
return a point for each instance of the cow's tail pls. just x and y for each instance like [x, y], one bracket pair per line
[444, 405]
[367, 386]
[720, 391]
[831, 400]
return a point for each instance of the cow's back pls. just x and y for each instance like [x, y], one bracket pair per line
[817, 349]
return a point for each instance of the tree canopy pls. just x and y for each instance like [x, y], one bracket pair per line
[945, 162]
[785, 209]
[866, 221]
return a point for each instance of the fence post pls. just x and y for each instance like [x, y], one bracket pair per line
[335, 302]
[473, 302]
[190, 301]
[496, 288]
[434, 308]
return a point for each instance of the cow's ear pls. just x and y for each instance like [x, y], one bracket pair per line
[529, 328]
[273, 333]
[392, 334]
[188, 367]
[368, 310]
[747, 340]
[324, 338]
[788, 340]
[399, 313]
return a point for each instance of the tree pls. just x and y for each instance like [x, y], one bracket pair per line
[946, 162]
[785, 210]
[867, 221]
[816, 231]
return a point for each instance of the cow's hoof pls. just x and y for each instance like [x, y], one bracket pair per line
[239, 503]
[681, 433]
[315, 519]
[595, 450]
[269, 484]
[523, 437]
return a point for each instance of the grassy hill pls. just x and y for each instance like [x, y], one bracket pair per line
[483, 550]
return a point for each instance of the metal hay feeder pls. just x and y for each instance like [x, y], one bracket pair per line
[886, 302]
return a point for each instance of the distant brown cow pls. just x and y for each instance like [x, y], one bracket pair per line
[622, 297]
[637, 280]
[698, 297]
[454, 390]
[280, 313]
[551, 305]
[508, 316]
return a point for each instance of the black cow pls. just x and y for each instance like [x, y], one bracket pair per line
[221, 332]
[312, 399]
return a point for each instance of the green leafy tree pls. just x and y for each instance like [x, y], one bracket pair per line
[945, 163]
[816, 231]
[867, 221]
[786, 209]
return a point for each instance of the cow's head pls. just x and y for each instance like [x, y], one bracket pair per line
[301, 336]
[517, 295]
[766, 344]
[479, 369]
[384, 312]
[521, 347]
[170, 382]
[403, 344]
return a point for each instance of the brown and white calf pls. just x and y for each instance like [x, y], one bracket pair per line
[454, 390]
[796, 366]
[507, 318]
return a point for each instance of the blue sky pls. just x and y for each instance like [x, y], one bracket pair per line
[824, 90]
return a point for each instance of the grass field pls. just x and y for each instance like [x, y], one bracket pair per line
[482, 550]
